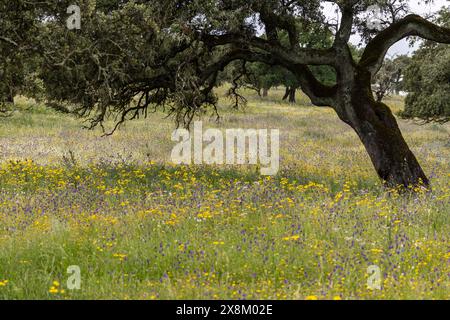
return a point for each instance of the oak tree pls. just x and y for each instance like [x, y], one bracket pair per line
[131, 57]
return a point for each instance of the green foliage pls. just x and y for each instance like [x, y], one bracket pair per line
[428, 81]
[13, 60]
[134, 56]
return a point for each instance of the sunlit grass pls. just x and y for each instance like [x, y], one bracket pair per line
[140, 227]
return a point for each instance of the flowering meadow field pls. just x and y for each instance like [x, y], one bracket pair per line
[139, 227]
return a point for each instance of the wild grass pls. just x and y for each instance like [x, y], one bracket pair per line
[141, 228]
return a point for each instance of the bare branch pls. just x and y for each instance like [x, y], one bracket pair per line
[7, 40]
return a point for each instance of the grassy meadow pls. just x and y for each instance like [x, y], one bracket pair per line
[140, 227]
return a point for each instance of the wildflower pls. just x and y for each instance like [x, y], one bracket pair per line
[311, 298]
[173, 220]
[53, 290]
[120, 256]
[291, 238]
[205, 215]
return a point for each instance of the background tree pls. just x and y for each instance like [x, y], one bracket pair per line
[262, 77]
[291, 83]
[15, 45]
[428, 81]
[21, 29]
[168, 53]
[390, 77]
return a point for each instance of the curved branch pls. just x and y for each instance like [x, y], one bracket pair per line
[320, 94]
[306, 56]
[411, 25]
[273, 21]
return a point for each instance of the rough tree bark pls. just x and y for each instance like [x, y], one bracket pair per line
[379, 132]
[392, 158]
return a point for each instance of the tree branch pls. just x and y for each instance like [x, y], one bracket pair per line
[411, 25]
[320, 94]
[2, 38]
[345, 29]
[306, 56]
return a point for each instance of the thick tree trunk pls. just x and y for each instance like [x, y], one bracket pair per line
[265, 92]
[377, 128]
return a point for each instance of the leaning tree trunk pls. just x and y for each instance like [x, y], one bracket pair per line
[377, 128]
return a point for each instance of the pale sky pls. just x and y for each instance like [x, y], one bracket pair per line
[418, 7]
